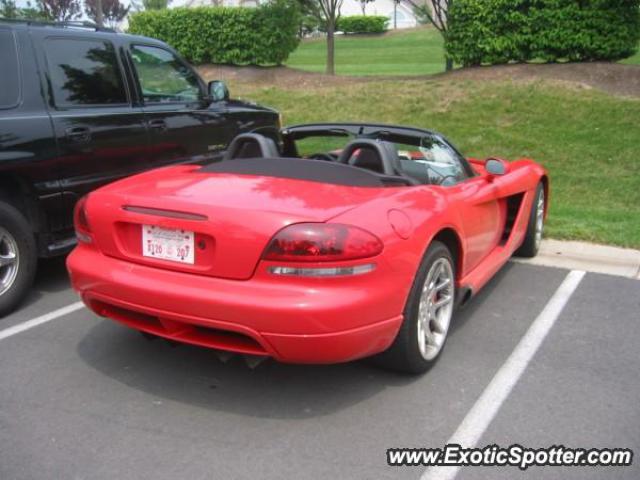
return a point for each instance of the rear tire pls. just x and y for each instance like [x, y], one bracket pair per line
[427, 315]
[18, 258]
[535, 227]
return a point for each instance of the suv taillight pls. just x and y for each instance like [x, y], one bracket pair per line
[322, 242]
[81, 221]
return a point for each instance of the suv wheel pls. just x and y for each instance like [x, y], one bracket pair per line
[18, 258]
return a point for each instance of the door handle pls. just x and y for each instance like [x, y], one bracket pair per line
[78, 134]
[158, 125]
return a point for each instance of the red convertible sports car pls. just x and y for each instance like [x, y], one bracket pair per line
[341, 241]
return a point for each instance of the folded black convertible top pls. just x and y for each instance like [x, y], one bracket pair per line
[298, 169]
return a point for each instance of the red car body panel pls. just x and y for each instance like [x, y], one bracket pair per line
[229, 299]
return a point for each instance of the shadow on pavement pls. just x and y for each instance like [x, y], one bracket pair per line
[467, 312]
[195, 376]
[52, 277]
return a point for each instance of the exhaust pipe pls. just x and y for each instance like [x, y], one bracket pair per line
[253, 361]
[223, 355]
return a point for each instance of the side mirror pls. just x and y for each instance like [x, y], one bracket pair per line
[496, 167]
[218, 91]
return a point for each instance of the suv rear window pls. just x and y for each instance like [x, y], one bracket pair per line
[10, 78]
[84, 72]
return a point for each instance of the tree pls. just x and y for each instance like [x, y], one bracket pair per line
[61, 10]
[395, 13]
[437, 14]
[328, 13]
[9, 9]
[363, 5]
[99, 14]
[113, 11]
[155, 4]
[150, 5]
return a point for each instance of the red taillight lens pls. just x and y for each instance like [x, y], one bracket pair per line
[81, 222]
[322, 242]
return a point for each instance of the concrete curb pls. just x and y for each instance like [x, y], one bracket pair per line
[623, 262]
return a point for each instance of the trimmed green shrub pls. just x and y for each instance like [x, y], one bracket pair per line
[499, 31]
[265, 35]
[362, 24]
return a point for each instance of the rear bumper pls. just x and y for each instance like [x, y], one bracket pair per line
[327, 321]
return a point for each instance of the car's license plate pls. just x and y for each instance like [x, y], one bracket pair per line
[168, 244]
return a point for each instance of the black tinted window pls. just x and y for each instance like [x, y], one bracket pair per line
[84, 72]
[10, 77]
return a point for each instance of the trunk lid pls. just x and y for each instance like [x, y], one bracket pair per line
[232, 216]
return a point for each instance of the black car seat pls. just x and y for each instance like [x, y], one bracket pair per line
[251, 145]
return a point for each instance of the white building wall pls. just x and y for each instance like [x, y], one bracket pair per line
[405, 17]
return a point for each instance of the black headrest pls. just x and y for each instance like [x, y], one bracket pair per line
[251, 145]
[379, 157]
[373, 155]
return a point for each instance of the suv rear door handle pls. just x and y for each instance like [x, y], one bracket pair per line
[78, 134]
[158, 125]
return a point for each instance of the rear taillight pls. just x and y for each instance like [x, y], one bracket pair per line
[322, 242]
[81, 221]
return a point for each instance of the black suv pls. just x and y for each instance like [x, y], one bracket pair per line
[82, 106]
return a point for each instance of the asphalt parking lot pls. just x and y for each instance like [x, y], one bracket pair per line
[84, 398]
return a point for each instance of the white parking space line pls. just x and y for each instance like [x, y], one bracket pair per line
[488, 404]
[34, 322]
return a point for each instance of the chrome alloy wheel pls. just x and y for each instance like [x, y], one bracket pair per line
[435, 309]
[539, 219]
[9, 260]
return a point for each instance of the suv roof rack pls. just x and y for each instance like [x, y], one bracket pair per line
[66, 24]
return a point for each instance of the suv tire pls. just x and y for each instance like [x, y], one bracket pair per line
[18, 258]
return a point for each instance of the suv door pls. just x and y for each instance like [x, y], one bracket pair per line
[101, 135]
[181, 123]
[28, 150]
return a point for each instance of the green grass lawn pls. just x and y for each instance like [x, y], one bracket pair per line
[635, 60]
[588, 140]
[413, 52]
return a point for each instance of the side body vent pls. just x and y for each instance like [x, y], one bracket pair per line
[514, 203]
